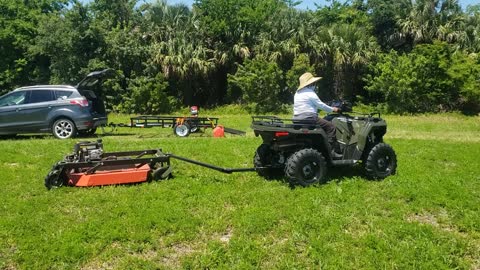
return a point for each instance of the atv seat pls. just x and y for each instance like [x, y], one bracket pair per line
[305, 124]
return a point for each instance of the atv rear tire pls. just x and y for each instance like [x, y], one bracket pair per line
[264, 156]
[306, 167]
[381, 162]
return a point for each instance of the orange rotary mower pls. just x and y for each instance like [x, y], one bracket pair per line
[89, 165]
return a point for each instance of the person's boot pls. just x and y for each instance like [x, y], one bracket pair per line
[336, 152]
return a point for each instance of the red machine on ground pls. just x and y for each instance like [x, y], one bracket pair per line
[89, 165]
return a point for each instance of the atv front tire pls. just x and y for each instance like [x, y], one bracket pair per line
[306, 167]
[381, 162]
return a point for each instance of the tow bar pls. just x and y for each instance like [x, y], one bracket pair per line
[89, 165]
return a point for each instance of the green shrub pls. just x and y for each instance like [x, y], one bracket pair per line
[465, 72]
[301, 64]
[149, 96]
[432, 78]
[260, 84]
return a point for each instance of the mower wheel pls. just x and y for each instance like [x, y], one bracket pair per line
[264, 156]
[306, 167]
[64, 128]
[162, 173]
[55, 179]
[181, 130]
[381, 162]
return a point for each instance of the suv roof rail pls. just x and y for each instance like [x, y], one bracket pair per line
[58, 86]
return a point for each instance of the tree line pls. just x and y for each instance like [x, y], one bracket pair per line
[400, 56]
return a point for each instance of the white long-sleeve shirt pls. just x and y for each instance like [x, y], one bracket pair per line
[306, 102]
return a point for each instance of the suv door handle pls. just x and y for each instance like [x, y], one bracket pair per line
[18, 109]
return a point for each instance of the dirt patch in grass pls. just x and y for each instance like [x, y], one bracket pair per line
[433, 220]
[225, 238]
[177, 252]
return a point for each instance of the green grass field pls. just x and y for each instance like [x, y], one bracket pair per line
[425, 217]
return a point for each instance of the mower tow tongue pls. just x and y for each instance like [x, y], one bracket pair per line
[89, 165]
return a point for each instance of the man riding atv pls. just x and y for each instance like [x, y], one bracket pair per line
[306, 105]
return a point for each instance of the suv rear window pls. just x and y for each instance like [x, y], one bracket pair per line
[61, 94]
[40, 96]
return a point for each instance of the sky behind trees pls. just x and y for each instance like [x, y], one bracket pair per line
[306, 4]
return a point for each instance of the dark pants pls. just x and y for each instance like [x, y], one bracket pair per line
[324, 124]
[329, 129]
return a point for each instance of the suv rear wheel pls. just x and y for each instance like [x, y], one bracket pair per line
[306, 167]
[64, 128]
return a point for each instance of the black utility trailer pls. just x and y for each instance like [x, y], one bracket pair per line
[182, 125]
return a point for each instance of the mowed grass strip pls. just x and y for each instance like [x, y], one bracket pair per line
[426, 216]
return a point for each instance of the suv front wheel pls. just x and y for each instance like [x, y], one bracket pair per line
[64, 128]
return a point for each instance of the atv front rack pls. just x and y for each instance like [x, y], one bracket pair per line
[88, 165]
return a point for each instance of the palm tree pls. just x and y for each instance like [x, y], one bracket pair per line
[428, 20]
[471, 42]
[346, 48]
[178, 49]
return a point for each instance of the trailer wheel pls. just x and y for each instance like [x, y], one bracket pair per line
[194, 126]
[194, 129]
[55, 179]
[181, 130]
[264, 156]
[306, 167]
[381, 162]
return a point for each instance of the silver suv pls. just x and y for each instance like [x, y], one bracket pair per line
[61, 109]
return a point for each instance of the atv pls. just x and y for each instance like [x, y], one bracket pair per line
[300, 149]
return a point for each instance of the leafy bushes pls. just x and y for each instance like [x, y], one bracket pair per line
[260, 83]
[431, 78]
[149, 96]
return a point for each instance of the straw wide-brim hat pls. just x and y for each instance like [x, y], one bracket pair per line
[307, 79]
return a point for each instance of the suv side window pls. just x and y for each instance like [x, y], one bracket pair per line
[15, 98]
[62, 94]
[40, 96]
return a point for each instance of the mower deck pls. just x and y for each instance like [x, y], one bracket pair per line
[89, 166]
[109, 177]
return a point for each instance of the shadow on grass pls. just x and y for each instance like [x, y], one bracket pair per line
[25, 137]
[338, 174]
[334, 174]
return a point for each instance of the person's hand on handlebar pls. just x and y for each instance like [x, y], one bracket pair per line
[337, 110]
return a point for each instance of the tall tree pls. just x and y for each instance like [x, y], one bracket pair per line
[19, 20]
[428, 20]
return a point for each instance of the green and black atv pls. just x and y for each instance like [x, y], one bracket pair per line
[301, 150]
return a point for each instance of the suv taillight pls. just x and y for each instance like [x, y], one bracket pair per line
[80, 102]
